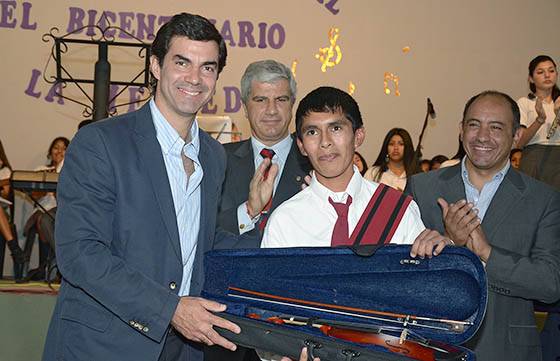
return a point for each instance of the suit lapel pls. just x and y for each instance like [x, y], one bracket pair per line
[451, 183]
[244, 166]
[291, 178]
[449, 186]
[208, 192]
[149, 152]
[507, 196]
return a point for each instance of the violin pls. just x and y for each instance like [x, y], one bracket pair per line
[422, 350]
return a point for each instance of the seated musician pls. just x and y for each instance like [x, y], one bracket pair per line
[329, 129]
[42, 223]
[6, 231]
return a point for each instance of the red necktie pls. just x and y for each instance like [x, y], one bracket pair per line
[340, 231]
[266, 153]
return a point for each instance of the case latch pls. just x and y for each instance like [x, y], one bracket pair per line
[311, 347]
[409, 261]
[349, 355]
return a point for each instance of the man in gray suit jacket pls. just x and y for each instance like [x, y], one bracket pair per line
[509, 220]
[138, 199]
[268, 92]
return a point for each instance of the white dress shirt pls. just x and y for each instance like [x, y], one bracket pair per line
[184, 190]
[528, 116]
[307, 219]
[388, 177]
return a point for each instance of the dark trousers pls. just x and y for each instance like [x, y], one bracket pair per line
[218, 353]
[178, 348]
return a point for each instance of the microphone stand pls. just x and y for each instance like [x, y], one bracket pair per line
[429, 111]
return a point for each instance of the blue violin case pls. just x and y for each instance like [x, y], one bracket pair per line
[346, 306]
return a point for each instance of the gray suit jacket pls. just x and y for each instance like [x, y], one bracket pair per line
[235, 190]
[118, 244]
[523, 226]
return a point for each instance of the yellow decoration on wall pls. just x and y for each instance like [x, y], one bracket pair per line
[351, 88]
[395, 79]
[294, 65]
[406, 49]
[327, 55]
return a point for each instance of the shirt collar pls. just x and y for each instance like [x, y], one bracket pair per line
[497, 177]
[168, 138]
[281, 149]
[352, 189]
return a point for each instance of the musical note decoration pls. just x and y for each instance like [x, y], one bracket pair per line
[294, 66]
[395, 79]
[351, 88]
[331, 55]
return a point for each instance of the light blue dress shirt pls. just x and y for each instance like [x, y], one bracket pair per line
[185, 190]
[482, 199]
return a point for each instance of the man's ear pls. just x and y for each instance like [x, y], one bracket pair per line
[245, 110]
[461, 131]
[359, 136]
[300, 146]
[155, 67]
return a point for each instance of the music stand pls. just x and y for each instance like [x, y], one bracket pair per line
[103, 40]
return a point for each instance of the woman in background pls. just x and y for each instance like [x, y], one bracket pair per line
[540, 159]
[396, 160]
[541, 155]
[6, 230]
[5, 173]
[360, 162]
[47, 200]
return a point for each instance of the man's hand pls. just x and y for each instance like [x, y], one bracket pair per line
[194, 319]
[478, 243]
[306, 181]
[302, 356]
[429, 243]
[260, 189]
[459, 219]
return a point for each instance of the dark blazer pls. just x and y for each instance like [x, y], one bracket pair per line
[118, 244]
[235, 190]
[522, 224]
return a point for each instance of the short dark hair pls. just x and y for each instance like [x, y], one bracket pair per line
[494, 93]
[440, 158]
[194, 27]
[513, 151]
[327, 99]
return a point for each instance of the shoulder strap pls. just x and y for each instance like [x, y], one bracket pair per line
[380, 220]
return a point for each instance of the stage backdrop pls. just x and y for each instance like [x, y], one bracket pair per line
[391, 54]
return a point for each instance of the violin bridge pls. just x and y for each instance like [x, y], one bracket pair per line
[404, 335]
